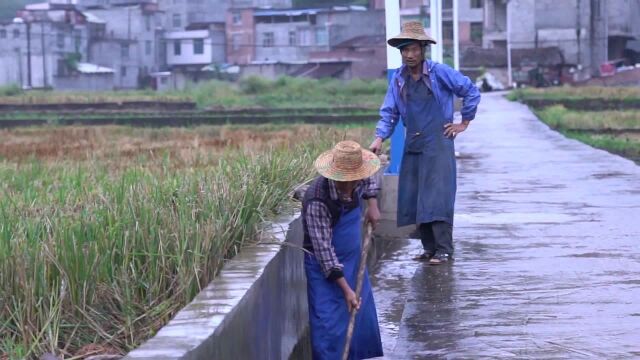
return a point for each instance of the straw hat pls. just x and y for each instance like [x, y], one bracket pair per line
[347, 161]
[411, 31]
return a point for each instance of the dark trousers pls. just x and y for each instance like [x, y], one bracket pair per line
[437, 237]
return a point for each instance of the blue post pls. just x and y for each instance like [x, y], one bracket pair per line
[394, 61]
[397, 140]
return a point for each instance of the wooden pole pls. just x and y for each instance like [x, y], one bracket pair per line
[366, 242]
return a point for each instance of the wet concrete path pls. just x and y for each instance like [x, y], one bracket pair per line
[547, 236]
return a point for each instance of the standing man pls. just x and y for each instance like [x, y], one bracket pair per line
[421, 93]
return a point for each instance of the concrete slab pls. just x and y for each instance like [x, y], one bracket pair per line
[547, 251]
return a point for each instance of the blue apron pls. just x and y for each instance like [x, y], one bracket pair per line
[328, 313]
[427, 184]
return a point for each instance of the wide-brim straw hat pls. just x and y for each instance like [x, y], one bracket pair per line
[411, 31]
[347, 161]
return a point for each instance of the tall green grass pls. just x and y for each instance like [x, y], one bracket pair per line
[288, 92]
[591, 127]
[577, 93]
[61, 97]
[250, 92]
[559, 117]
[623, 145]
[89, 255]
[10, 90]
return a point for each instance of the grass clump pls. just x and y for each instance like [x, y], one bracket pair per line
[10, 90]
[284, 92]
[558, 117]
[614, 131]
[625, 94]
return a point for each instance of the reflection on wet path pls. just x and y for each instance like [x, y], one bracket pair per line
[390, 280]
[547, 253]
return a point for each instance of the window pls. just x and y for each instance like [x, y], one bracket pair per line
[476, 33]
[59, 40]
[177, 21]
[267, 39]
[77, 39]
[177, 48]
[322, 36]
[16, 33]
[235, 41]
[63, 68]
[304, 37]
[163, 81]
[198, 46]
[596, 8]
[447, 4]
[123, 71]
[148, 47]
[147, 23]
[293, 39]
[237, 18]
[3, 34]
[124, 51]
[447, 30]
[476, 4]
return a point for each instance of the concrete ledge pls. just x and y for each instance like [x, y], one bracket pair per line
[256, 308]
[388, 202]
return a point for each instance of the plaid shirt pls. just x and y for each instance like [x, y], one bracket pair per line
[318, 221]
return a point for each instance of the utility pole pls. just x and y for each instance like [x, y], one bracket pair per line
[605, 14]
[456, 37]
[44, 55]
[509, 43]
[394, 61]
[440, 37]
[28, 54]
[435, 23]
[20, 76]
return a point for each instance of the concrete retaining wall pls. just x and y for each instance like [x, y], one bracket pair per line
[257, 307]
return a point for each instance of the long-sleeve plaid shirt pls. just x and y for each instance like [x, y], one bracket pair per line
[318, 220]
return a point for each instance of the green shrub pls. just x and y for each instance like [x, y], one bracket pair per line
[10, 90]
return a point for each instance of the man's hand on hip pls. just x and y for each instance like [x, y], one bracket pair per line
[452, 130]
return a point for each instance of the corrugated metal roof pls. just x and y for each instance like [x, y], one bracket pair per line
[297, 12]
[38, 6]
[192, 34]
[93, 18]
[87, 68]
[312, 11]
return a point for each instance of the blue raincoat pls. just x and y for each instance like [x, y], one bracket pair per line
[427, 184]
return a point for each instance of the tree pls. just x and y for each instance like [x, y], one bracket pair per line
[8, 8]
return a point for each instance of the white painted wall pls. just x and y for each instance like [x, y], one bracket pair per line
[187, 40]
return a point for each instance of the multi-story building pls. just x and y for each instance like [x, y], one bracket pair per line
[44, 44]
[470, 18]
[292, 34]
[132, 37]
[588, 32]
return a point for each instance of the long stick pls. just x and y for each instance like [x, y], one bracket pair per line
[366, 242]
